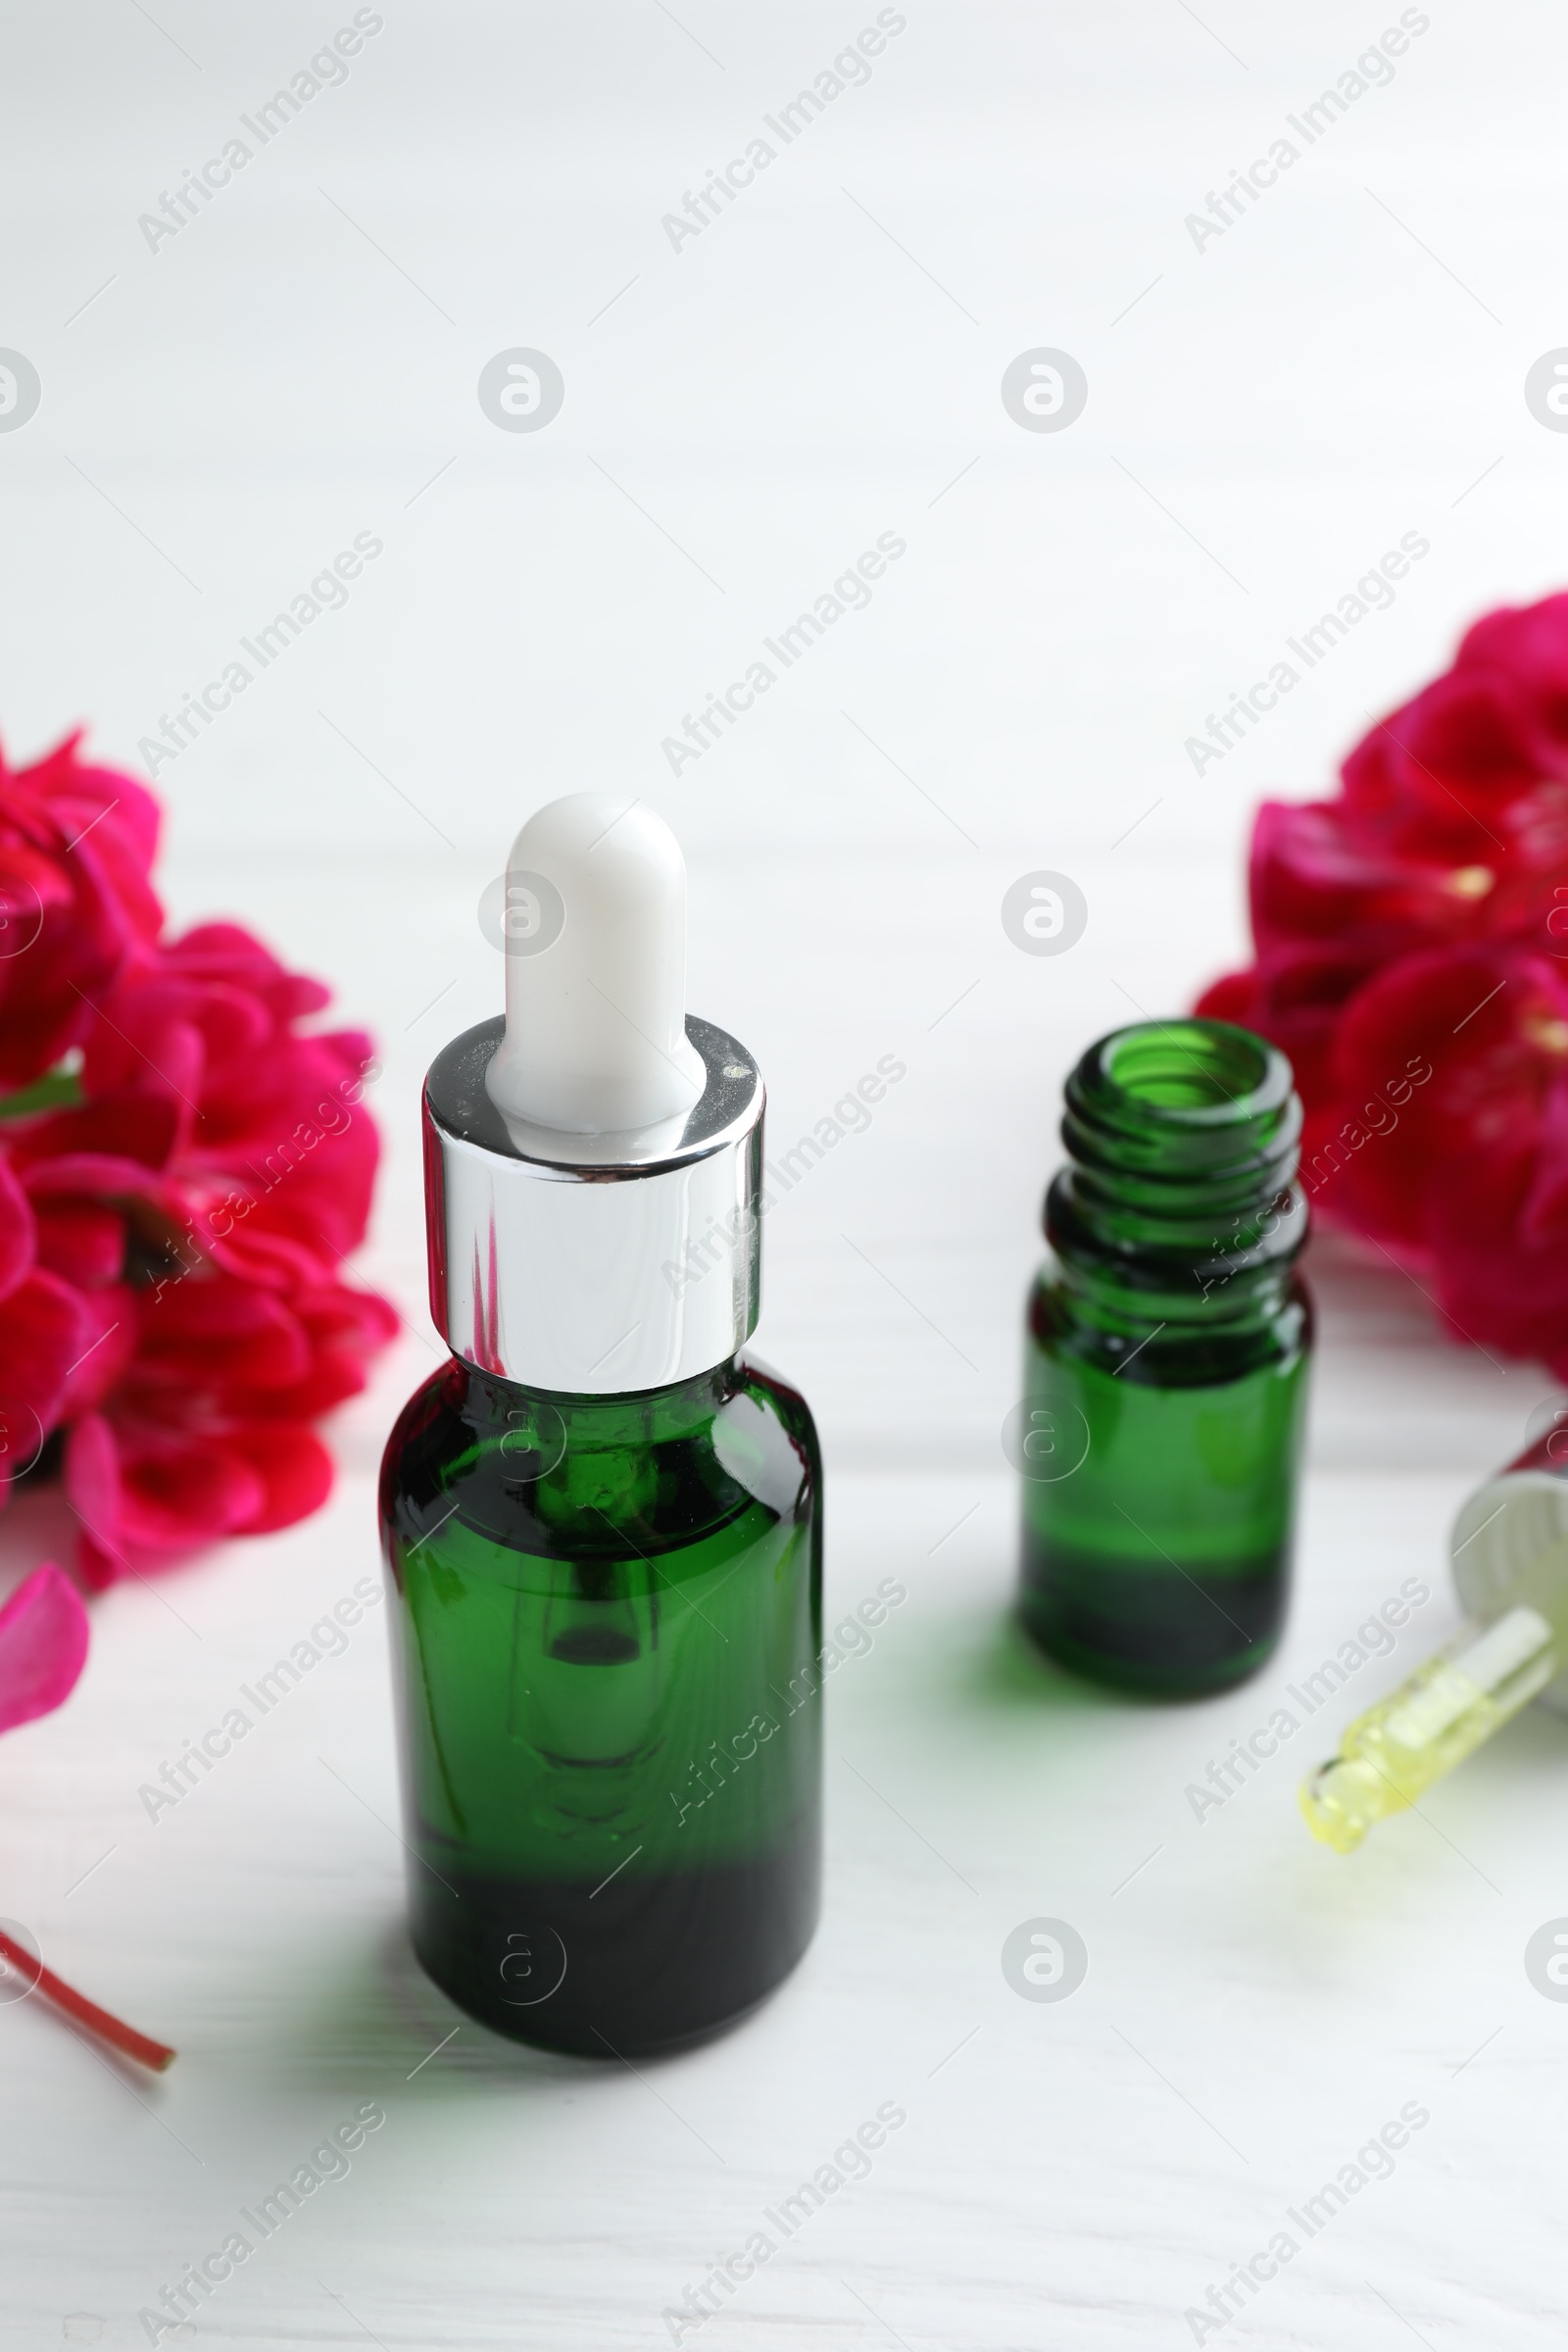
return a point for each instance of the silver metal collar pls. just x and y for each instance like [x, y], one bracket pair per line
[593, 1265]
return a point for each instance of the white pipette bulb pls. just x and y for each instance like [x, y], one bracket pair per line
[595, 922]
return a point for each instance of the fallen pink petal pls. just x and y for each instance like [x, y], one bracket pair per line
[43, 1646]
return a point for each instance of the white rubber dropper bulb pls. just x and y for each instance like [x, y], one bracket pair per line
[596, 971]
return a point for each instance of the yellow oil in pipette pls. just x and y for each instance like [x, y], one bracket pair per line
[1509, 1554]
[1453, 1702]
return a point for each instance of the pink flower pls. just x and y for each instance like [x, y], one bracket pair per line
[172, 1222]
[1437, 879]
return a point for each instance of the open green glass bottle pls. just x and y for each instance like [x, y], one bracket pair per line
[1169, 1340]
[601, 1519]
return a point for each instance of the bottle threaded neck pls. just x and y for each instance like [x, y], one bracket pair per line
[1183, 1139]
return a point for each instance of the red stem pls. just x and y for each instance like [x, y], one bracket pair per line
[119, 2036]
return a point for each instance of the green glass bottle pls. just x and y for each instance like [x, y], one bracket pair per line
[1168, 1339]
[608, 1614]
[602, 1521]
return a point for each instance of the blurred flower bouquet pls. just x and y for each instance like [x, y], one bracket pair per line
[182, 1169]
[1412, 944]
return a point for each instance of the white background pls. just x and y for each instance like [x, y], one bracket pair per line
[1265, 417]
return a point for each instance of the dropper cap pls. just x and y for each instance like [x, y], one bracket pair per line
[593, 1161]
[595, 926]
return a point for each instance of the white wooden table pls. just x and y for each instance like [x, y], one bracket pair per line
[743, 416]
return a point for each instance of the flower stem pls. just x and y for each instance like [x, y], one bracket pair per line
[120, 2036]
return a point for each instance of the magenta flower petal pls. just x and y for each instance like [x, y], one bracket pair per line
[43, 1646]
[19, 1235]
[44, 1326]
[75, 848]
